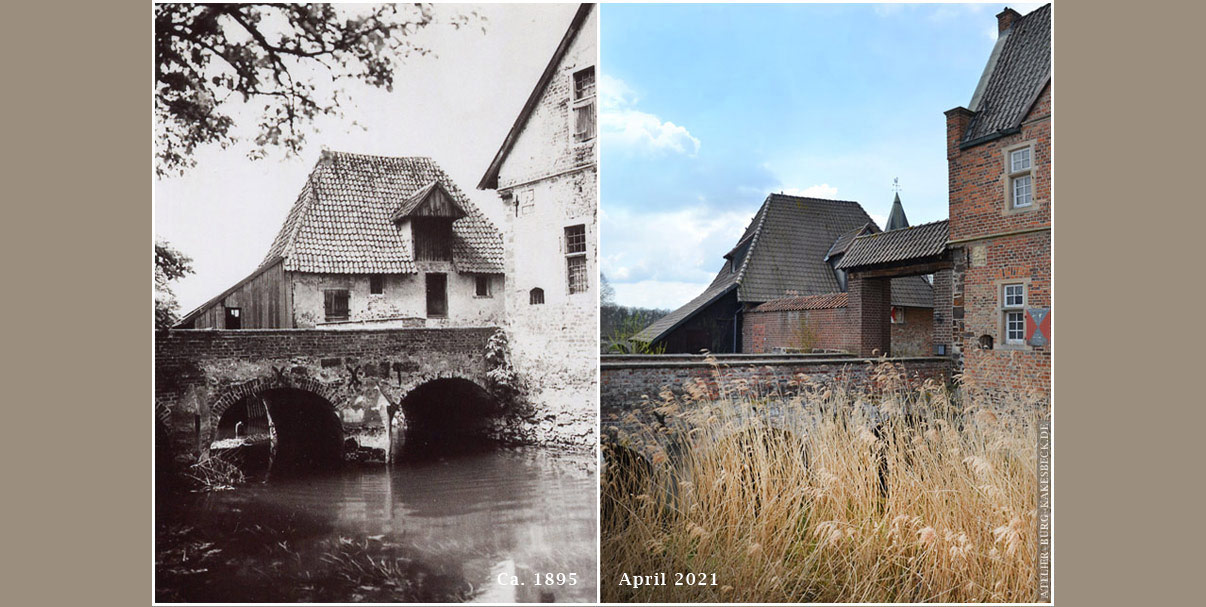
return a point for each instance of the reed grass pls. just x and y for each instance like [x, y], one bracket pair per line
[815, 492]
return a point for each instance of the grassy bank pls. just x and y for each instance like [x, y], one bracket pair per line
[820, 493]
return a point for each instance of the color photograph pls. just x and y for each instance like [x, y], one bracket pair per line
[826, 312]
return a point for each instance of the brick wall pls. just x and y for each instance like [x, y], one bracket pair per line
[831, 329]
[625, 385]
[870, 310]
[993, 245]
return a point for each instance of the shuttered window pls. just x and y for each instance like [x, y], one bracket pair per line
[584, 104]
[335, 304]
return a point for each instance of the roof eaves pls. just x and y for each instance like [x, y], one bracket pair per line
[490, 179]
[678, 323]
[745, 263]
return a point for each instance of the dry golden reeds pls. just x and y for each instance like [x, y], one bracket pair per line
[895, 493]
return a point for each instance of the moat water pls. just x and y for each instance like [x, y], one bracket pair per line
[490, 527]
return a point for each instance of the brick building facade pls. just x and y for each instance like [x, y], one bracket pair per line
[546, 174]
[999, 155]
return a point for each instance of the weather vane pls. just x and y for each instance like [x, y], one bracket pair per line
[896, 184]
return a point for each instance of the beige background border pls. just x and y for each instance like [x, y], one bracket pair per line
[77, 225]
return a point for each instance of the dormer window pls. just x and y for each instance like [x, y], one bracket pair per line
[429, 214]
[433, 238]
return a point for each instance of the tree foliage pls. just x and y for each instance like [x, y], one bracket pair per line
[170, 265]
[209, 57]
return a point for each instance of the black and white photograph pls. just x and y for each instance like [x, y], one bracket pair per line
[376, 303]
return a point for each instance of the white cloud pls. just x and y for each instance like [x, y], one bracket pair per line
[821, 190]
[666, 295]
[622, 125]
[679, 247]
[880, 220]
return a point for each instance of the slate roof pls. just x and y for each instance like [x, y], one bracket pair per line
[789, 239]
[1021, 71]
[808, 302]
[843, 242]
[341, 222]
[895, 246]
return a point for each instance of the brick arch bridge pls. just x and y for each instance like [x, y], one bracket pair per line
[363, 375]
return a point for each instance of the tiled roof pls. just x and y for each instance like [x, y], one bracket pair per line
[843, 241]
[808, 302]
[1022, 70]
[894, 246]
[788, 240]
[787, 257]
[341, 222]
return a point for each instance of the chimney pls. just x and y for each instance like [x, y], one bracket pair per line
[1005, 19]
[957, 121]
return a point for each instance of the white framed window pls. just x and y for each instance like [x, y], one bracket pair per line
[1013, 304]
[1019, 173]
[584, 105]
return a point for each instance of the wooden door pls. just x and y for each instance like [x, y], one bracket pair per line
[437, 295]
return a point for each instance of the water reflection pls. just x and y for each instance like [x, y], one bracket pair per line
[455, 524]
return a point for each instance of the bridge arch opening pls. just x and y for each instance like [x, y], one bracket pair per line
[442, 417]
[286, 429]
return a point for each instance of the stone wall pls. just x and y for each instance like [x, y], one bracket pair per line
[548, 182]
[626, 384]
[403, 302]
[198, 374]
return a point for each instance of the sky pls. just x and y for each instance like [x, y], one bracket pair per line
[455, 107]
[707, 109]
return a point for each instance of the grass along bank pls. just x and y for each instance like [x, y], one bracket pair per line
[823, 493]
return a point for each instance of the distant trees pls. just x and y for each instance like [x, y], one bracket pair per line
[170, 265]
[617, 324]
[268, 56]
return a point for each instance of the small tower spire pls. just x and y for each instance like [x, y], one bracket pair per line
[896, 219]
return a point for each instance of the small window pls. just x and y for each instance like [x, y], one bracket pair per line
[1015, 296]
[584, 104]
[536, 296]
[1013, 302]
[376, 284]
[234, 318]
[575, 259]
[482, 285]
[1019, 172]
[1019, 160]
[335, 304]
[1015, 327]
[575, 239]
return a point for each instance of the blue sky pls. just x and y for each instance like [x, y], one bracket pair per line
[706, 109]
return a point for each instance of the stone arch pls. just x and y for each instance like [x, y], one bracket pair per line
[260, 385]
[442, 413]
[303, 422]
